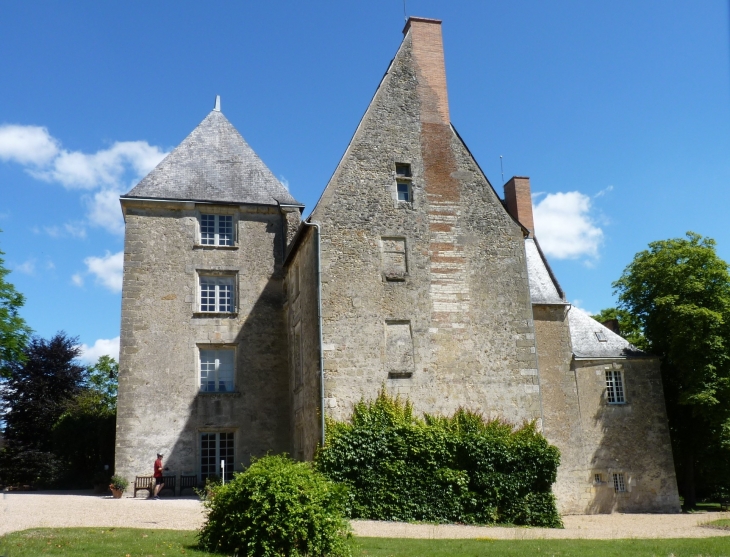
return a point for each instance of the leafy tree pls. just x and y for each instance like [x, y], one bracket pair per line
[38, 391]
[629, 327]
[678, 292]
[14, 333]
[83, 436]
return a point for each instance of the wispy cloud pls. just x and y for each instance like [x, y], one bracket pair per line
[107, 270]
[107, 173]
[284, 182]
[565, 226]
[77, 279]
[27, 267]
[102, 347]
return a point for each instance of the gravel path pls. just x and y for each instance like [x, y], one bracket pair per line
[19, 511]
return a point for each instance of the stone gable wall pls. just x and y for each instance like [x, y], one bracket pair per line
[465, 297]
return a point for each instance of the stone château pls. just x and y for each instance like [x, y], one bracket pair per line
[243, 326]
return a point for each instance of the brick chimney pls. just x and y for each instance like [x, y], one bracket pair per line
[519, 201]
[428, 55]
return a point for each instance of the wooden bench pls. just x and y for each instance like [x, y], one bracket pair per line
[148, 483]
[188, 482]
[144, 483]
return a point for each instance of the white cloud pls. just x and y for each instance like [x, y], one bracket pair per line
[565, 228]
[77, 279]
[579, 304]
[27, 144]
[27, 267]
[284, 182]
[104, 210]
[105, 168]
[102, 347]
[107, 269]
[604, 191]
[108, 171]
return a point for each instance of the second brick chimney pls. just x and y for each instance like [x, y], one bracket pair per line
[519, 201]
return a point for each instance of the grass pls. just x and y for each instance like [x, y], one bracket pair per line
[721, 524]
[129, 542]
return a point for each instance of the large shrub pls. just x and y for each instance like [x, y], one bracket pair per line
[457, 469]
[277, 507]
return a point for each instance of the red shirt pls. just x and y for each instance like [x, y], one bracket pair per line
[158, 468]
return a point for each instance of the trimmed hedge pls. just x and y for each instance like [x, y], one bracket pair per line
[437, 469]
[277, 507]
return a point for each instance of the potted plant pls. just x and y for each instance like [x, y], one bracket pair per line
[118, 485]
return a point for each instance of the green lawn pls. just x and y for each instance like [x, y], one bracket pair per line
[123, 542]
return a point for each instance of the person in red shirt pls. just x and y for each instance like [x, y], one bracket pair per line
[159, 483]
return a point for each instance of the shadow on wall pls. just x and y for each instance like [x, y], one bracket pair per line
[632, 467]
[253, 418]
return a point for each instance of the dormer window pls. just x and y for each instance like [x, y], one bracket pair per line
[216, 230]
[403, 170]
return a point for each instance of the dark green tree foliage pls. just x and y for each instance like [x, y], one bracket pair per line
[83, 436]
[37, 392]
[629, 326]
[14, 333]
[277, 507]
[456, 469]
[678, 291]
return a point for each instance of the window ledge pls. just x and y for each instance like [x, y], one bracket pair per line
[215, 314]
[220, 393]
[209, 247]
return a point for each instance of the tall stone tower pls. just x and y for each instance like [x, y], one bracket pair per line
[203, 366]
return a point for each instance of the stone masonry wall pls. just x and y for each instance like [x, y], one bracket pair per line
[561, 408]
[303, 331]
[631, 438]
[160, 406]
[464, 297]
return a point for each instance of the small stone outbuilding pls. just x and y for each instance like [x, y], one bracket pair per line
[243, 326]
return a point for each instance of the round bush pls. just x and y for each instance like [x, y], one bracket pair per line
[277, 507]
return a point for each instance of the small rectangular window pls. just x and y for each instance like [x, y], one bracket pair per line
[216, 294]
[217, 371]
[403, 170]
[614, 387]
[601, 336]
[216, 230]
[597, 479]
[404, 191]
[619, 486]
[215, 447]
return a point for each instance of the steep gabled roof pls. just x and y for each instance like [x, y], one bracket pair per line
[586, 336]
[215, 164]
[544, 288]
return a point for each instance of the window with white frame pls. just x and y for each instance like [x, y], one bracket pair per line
[619, 485]
[215, 447]
[216, 293]
[614, 387]
[216, 230]
[217, 370]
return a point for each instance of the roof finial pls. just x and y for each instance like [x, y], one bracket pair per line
[217, 107]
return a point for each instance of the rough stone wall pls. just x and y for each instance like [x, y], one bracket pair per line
[561, 409]
[303, 333]
[464, 297]
[160, 408]
[631, 438]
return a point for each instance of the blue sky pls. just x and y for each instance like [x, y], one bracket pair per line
[618, 111]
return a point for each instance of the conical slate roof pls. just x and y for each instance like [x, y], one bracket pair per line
[214, 163]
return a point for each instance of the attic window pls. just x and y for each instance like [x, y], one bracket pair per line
[403, 170]
[601, 336]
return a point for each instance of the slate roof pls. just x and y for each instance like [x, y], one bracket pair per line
[543, 287]
[586, 343]
[214, 163]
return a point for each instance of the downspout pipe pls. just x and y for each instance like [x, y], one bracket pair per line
[318, 230]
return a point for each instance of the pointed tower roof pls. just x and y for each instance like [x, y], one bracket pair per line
[214, 163]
